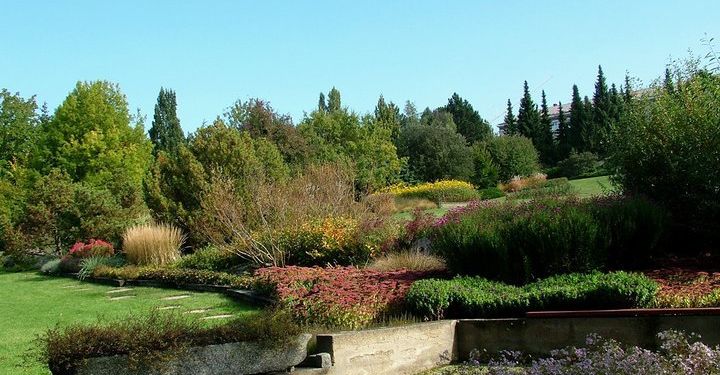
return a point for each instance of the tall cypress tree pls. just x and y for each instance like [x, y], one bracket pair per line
[528, 120]
[627, 91]
[668, 84]
[544, 138]
[588, 128]
[510, 120]
[601, 121]
[577, 121]
[563, 135]
[322, 105]
[468, 121]
[616, 104]
[166, 133]
[334, 103]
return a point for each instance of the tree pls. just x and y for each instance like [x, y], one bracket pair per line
[528, 121]
[409, 116]
[486, 172]
[510, 120]
[577, 121]
[334, 103]
[435, 151]
[563, 135]
[388, 116]
[18, 129]
[438, 118]
[513, 156]
[468, 121]
[544, 137]
[616, 105]
[166, 133]
[589, 129]
[322, 106]
[668, 84]
[258, 118]
[627, 92]
[91, 138]
[602, 120]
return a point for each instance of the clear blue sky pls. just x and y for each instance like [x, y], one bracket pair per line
[214, 52]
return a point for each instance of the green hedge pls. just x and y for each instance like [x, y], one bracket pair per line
[210, 258]
[520, 242]
[175, 276]
[473, 297]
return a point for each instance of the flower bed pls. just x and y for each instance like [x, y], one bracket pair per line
[344, 297]
[682, 287]
[441, 191]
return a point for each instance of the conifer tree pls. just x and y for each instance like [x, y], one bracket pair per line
[577, 121]
[627, 92]
[528, 120]
[322, 105]
[388, 116]
[563, 135]
[334, 103]
[588, 128]
[166, 133]
[601, 119]
[616, 104]
[544, 141]
[468, 121]
[510, 120]
[668, 84]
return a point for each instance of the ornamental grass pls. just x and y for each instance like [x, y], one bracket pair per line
[152, 244]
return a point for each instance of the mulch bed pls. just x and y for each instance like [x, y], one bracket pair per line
[692, 278]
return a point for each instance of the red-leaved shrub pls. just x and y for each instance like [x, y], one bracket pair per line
[92, 248]
[345, 297]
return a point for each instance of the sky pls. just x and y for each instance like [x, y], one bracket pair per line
[213, 53]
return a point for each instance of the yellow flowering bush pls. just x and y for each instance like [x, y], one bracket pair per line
[440, 191]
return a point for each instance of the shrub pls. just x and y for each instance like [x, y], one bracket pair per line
[491, 193]
[554, 188]
[382, 204]
[412, 204]
[662, 147]
[441, 191]
[51, 267]
[409, 260]
[88, 265]
[175, 276]
[518, 183]
[209, 258]
[152, 244]
[513, 156]
[521, 242]
[148, 339]
[93, 248]
[341, 297]
[472, 297]
[579, 165]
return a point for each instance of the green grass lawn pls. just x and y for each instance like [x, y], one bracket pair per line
[30, 303]
[593, 186]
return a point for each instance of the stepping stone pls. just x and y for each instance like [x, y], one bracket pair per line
[198, 311]
[119, 297]
[172, 298]
[169, 307]
[82, 289]
[121, 290]
[217, 317]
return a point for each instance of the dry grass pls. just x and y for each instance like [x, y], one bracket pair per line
[412, 204]
[410, 260]
[520, 183]
[152, 244]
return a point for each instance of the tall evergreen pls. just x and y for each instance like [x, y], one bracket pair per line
[334, 103]
[528, 120]
[388, 116]
[616, 104]
[468, 121]
[601, 118]
[577, 121]
[322, 105]
[510, 120]
[588, 129]
[544, 138]
[627, 91]
[563, 135]
[668, 84]
[166, 133]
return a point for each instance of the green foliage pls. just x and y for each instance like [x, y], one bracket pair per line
[175, 276]
[553, 188]
[51, 267]
[91, 138]
[19, 123]
[149, 339]
[666, 147]
[513, 156]
[578, 165]
[510, 121]
[468, 121]
[166, 133]
[440, 191]
[474, 297]
[528, 120]
[88, 265]
[436, 152]
[486, 172]
[209, 258]
[519, 243]
[491, 193]
[341, 136]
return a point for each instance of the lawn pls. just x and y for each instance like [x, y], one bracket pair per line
[32, 303]
[593, 186]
